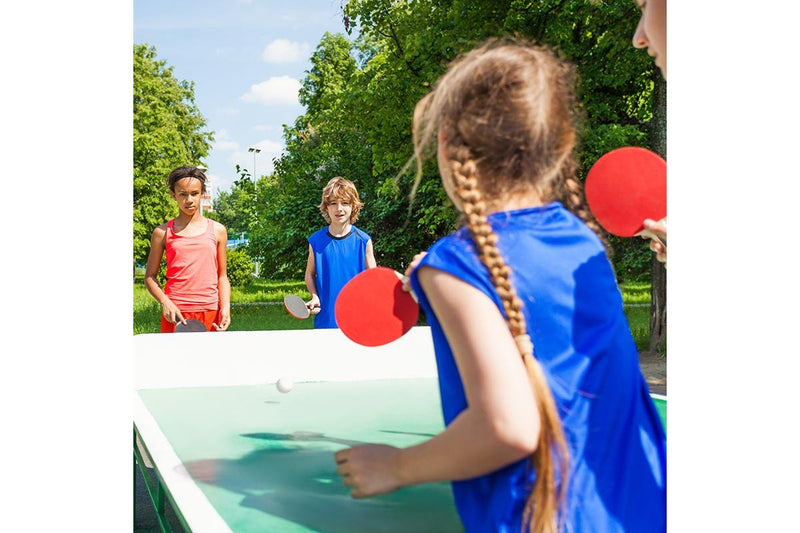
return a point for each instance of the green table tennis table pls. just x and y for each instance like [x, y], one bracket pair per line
[232, 453]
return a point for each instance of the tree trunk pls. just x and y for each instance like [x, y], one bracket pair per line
[658, 307]
[658, 289]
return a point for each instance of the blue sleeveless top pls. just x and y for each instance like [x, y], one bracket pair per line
[337, 260]
[574, 314]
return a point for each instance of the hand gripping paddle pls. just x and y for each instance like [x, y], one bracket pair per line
[296, 306]
[372, 309]
[626, 186]
[192, 325]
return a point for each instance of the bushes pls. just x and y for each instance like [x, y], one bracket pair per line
[240, 267]
[632, 258]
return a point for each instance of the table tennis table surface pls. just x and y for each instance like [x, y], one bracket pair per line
[232, 453]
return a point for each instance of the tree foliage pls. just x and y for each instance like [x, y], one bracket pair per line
[167, 132]
[236, 209]
[321, 144]
[360, 96]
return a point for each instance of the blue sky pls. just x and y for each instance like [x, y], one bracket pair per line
[247, 59]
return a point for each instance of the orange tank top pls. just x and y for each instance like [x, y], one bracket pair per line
[192, 270]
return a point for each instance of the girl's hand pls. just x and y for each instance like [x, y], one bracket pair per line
[171, 312]
[313, 305]
[654, 231]
[370, 469]
[414, 264]
[224, 320]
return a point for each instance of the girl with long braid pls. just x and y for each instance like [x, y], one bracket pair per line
[549, 422]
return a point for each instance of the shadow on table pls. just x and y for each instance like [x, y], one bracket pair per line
[294, 477]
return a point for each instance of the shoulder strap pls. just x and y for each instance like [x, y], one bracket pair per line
[211, 229]
[170, 230]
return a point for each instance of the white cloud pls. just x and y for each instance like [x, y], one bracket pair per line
[270, 148]
[276, 90]
[224, 143]
[285, 51]
[226, 146]
[263, 127]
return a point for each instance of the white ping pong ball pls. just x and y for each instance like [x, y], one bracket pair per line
[284, 384]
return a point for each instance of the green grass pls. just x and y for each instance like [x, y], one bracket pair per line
[635, 293]
[639, 322]
[259, 306]
[636, 299]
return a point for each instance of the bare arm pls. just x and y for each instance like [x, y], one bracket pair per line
[501, 423]
[370, 256]
[311, 283]
[223, 283]
[157, 247]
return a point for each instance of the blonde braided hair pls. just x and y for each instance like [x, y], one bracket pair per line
[541, 509]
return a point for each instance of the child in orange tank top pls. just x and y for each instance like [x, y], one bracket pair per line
[195, 247]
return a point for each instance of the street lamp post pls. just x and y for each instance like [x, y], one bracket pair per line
[255, 151]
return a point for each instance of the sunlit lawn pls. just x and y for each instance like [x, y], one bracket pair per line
[260, 307]
[257, 307]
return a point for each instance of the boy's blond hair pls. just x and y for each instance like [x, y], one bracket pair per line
[339, 188]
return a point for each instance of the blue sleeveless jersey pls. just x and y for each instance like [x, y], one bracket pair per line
[573, 309]
[337, 260]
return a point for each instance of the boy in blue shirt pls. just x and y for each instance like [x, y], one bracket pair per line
[336, 253]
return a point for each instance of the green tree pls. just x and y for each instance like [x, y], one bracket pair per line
[320, 144]
[360, 98]
[405, 47]
[167, 132]
[235, 209]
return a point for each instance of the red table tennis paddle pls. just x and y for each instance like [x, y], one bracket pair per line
[626, 186]
[372, 309]
[190, 326]
[295, 306]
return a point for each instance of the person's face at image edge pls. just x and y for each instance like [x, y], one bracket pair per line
[651, 33]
